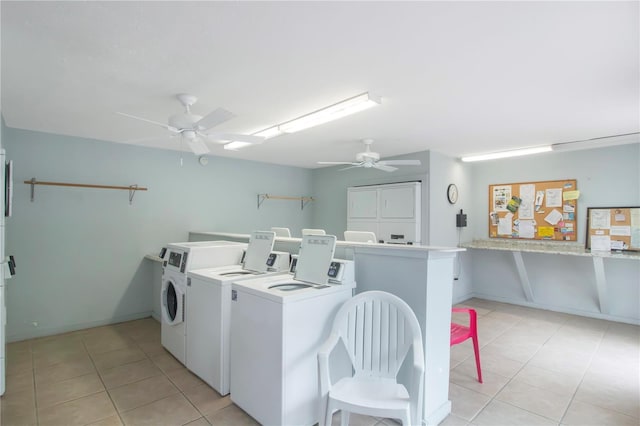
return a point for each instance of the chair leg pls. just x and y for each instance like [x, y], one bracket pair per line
[476, 350]
[344, 418]
[328, 414]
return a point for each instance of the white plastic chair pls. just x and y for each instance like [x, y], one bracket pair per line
[309, 231]
[281, 232]
[377, 329]
[360, 236]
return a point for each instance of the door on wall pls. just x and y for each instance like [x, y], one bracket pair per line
[363, 203]
[391, 211]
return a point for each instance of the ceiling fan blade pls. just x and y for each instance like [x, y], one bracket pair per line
[228, 137]
[400, 162]
[215, 117]
[351, 167]
[198, 146]
[384, 167]
[336, 163]
[171, 128]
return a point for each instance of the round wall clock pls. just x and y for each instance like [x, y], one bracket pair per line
[452, 193]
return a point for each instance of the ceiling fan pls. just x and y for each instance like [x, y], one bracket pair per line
[196, 129]
[369, 159]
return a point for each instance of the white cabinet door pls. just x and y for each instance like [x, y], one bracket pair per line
[398, 202]
[363, 203]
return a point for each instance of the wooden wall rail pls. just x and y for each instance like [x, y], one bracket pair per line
[132, 188]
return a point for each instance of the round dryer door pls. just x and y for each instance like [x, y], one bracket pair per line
[172, 302]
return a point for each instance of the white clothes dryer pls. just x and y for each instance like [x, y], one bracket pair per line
[209, 317]
[278, 324]
[179, 259]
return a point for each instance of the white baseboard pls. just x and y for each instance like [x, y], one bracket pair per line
[562, 309]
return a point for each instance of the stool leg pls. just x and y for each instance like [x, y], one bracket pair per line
[476, 350]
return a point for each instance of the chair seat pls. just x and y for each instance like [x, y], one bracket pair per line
[380, 394]
[459, 333]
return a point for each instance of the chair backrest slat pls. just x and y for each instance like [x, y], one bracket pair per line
[376, 336]
[384, 339]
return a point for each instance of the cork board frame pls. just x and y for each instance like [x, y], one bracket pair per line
[616, 228]
[543, 210]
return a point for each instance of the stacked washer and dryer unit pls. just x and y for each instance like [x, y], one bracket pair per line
[278, 324]
[179, 259]
[209, 310]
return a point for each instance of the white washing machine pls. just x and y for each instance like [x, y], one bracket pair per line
[178, 260]
[278, 324]
[208, 316]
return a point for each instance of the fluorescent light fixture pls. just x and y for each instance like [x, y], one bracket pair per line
[330, 113]
[601, 142]
[506, 154]
[269, 133]
[236, 145]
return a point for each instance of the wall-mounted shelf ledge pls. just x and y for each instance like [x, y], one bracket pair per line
[131, 188]
[303, 200]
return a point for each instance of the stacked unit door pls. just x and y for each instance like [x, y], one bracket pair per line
[391, 211]
[362, 209]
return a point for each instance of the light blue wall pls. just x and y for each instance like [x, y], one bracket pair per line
[442, 216]
[79, 252]
[606, 177]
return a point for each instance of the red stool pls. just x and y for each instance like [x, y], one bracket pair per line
[460, 333]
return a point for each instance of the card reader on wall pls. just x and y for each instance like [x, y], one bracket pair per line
[461, 220]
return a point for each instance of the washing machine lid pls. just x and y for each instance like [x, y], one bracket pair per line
[314, 258]
[260, 246]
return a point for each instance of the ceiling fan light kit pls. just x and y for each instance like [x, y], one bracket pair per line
[196, 129]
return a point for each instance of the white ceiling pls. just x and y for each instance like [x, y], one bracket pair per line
[455, 77]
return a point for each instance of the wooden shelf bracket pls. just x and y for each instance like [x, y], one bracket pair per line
[131, 188]
[303, 200]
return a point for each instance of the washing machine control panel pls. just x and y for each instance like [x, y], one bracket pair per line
[341, 272]
[183, 265]
[293, 264]
[175, 258]
[334, 269]
[278, 261]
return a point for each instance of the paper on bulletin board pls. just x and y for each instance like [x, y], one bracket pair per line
[620, 231]
[554, 197]
[600, 219]
[526, 228]
[527, 195]
[501, 196]
[505, 224]
[570, 195]
[635, 228]
[600, 243]
[545, 231]
[554, 217]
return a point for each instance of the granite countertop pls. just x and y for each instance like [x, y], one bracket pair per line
[153, 257]
[340, 243]
[547, 247]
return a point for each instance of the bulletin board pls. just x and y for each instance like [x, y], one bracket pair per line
[545, 210]
[613, 228]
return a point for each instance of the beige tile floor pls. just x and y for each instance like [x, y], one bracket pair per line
[539, 368]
